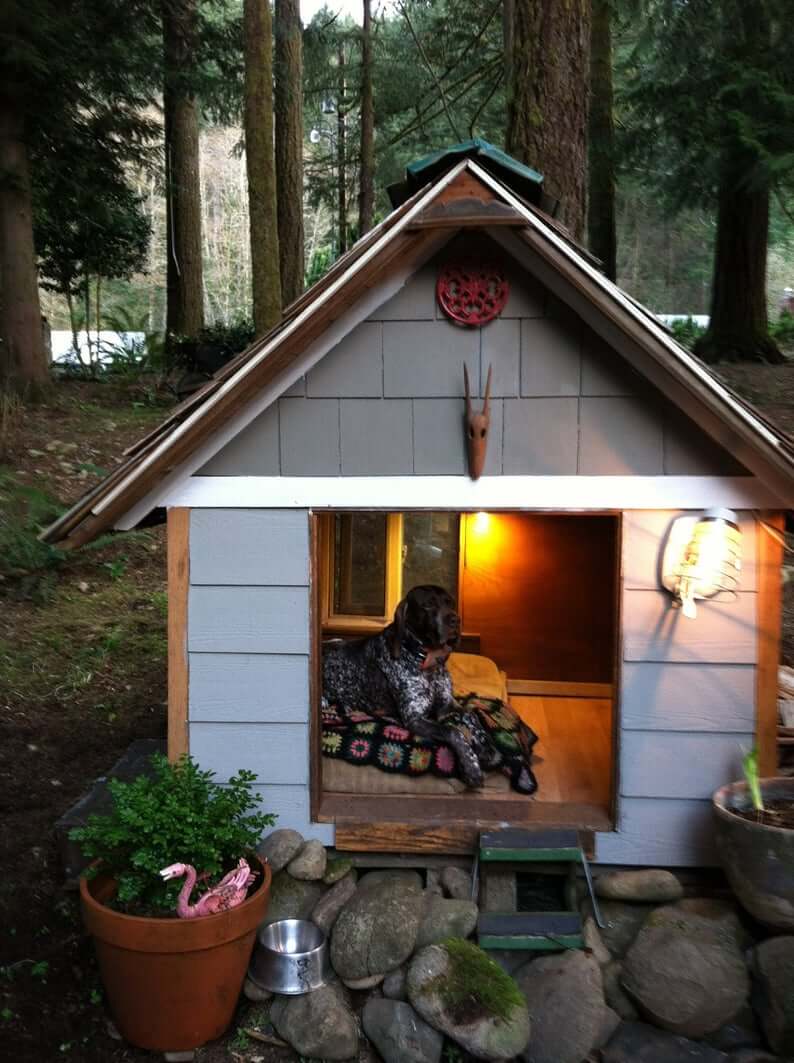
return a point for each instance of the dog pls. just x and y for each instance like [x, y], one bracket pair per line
[402, 671]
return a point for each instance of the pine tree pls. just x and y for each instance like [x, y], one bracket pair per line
[185, 275]
[261, 164]
[709, 103]
[547, 99]
[601, 225]
[288, 106]
[366, 184]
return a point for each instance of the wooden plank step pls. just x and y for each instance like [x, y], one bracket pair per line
[530, 930]
[527, 846]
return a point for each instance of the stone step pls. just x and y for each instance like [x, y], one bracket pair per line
[539, 931]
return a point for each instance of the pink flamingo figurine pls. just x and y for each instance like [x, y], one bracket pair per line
[229, 892]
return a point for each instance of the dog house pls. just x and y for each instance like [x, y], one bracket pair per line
[323, 472]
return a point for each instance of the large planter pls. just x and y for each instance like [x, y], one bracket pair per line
[758, 860]
[172, 984]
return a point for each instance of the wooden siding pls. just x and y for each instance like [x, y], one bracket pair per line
[687, 703]
[387, 400]
[248, 643]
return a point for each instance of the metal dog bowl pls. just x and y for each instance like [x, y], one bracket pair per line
[290, 957]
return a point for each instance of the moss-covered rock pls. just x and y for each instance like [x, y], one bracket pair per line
[459, 990]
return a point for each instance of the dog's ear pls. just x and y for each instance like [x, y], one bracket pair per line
[397, 629]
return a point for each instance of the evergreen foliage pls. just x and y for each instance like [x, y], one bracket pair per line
[176, 814]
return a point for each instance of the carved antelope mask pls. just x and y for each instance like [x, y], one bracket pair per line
[477, 426]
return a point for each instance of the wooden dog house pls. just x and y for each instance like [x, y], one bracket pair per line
[323, 469]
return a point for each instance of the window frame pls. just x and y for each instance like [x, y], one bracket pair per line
[347, 623]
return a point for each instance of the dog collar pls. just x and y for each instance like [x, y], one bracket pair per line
[414, 647]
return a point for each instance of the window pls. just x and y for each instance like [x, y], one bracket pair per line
[372, 559]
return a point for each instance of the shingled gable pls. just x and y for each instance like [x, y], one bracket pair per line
[466, 196]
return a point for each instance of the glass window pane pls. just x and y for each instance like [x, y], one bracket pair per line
[430, 550]
[360, 564]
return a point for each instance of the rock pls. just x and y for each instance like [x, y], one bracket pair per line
[773, 994]
[646, 885]
[686, 971]
[292, 899]
[433, 882]
[616, 997]
[279, 847]
[319, 1024]
[409, 878]
[394, 985]
[594, 942]
[742, 1032]
[456, 883]
[622, 923]
[721, 916]
[360, 984]
[443, 987]
[376, 930]
[754, 1055]
[399, 1034]
[255, 993]
[325, 912]
[336, 869]
[611, 1022]
[446, 919]
[309, 864]
[565, 1000]
[634, 1042]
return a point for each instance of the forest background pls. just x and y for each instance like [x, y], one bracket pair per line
[145, 202]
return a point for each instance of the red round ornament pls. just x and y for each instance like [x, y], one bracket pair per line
[472, 293]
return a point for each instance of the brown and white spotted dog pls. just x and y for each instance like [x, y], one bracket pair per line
[402, 671]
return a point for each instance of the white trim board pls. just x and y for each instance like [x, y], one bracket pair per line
[575, 493]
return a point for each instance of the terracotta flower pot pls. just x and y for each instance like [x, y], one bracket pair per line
[758, 859]
[172, 984]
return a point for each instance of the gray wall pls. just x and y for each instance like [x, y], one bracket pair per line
[387, 401]
[687, 704]
[248, 653]
[686, 693]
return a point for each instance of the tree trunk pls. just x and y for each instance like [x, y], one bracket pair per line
[261, 164]
[366, 184]
[184, 281]
[601, 229]
[341, 155]
[23, 360]
[738, 327]
[547, 99]
[288, 104]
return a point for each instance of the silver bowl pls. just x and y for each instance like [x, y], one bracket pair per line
[290, 957]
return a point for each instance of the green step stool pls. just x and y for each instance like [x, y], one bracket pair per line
[537, 931]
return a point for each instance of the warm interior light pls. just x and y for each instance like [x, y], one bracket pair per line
[703, 557]
[481, 523]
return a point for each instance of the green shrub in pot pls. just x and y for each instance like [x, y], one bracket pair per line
[177, 814]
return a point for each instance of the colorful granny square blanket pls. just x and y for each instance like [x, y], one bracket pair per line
[501, 739]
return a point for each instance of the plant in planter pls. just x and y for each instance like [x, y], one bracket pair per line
[755, 843]
[173, 983]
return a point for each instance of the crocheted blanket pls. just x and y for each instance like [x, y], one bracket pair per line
[501, 738]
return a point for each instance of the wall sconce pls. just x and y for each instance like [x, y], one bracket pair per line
[702, 558]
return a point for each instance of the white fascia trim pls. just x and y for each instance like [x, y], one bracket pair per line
[643, 318]
[360, 263]
[572, 493]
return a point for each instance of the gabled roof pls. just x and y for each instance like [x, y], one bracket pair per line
[465, 196]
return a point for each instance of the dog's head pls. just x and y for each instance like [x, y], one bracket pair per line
[428, 613]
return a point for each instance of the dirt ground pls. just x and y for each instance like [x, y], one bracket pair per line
[82, 674]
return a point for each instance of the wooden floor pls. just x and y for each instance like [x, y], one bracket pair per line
[574, 748]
